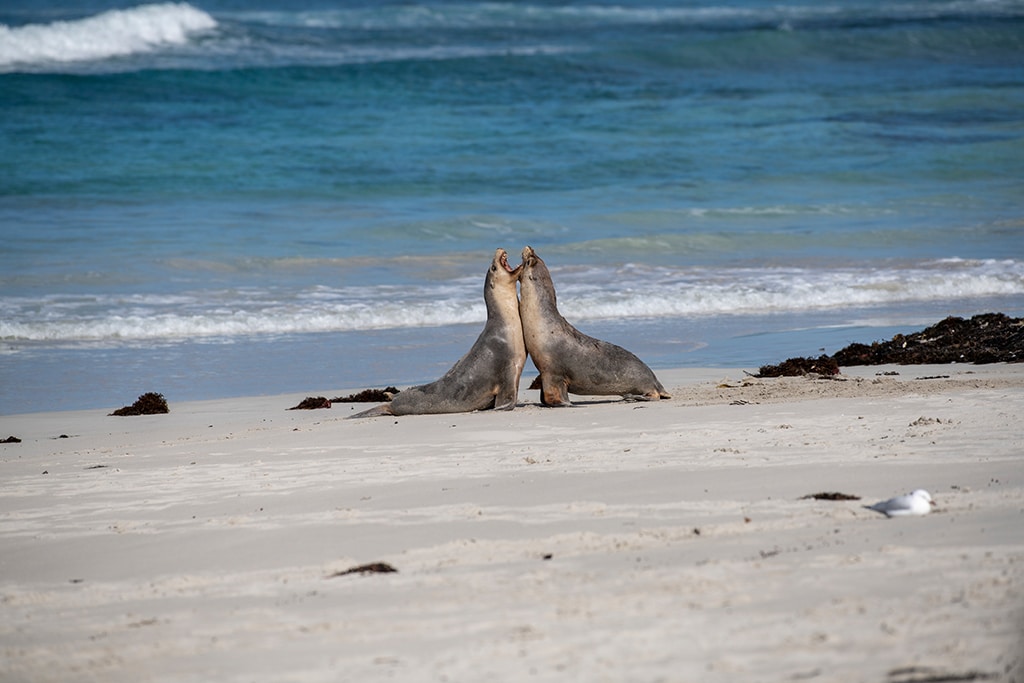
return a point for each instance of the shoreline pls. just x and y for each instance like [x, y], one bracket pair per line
[610, 540]
[690, 385]
[43, 379]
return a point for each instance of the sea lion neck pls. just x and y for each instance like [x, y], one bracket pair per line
[537, 279]
[500, 287]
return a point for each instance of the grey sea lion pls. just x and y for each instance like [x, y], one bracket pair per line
[567, 359]
[488, 375]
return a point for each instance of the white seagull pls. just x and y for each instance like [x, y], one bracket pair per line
[917, 502]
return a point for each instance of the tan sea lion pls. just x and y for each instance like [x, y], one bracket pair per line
[488, 375]
[567, 359]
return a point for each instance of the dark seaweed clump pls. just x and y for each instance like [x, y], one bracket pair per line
[830, 495]
[312, 403]
[984, 338]
[372, 568]
[368, 396]
[150, 403]
[364, 396]
[795, 367]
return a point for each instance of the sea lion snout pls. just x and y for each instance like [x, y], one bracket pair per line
[501, 259]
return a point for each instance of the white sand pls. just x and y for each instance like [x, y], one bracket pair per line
[605, 542]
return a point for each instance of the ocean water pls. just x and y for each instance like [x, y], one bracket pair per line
[237, 197]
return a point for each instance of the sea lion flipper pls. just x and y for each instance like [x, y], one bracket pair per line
[507, 396]
[376, 411]
[652, 396]
[506, 389]
[503, 405]
[554, 392]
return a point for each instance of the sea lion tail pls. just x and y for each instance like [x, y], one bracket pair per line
[376, 411]
[655, 395]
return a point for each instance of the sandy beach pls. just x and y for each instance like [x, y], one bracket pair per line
[610, 541]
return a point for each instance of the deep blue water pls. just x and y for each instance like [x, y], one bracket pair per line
[238, 197]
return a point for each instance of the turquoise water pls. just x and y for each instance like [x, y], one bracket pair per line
[228, 198]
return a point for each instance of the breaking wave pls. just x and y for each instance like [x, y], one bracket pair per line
[631, 291]
[115, 33]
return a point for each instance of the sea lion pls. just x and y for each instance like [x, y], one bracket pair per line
[488, 375]
[567, 359]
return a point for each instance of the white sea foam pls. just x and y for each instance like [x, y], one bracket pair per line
[111, 34]
[435, 53]
[147, 29]
[472, 15]
[632, 291]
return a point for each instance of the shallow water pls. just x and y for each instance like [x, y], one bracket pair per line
[224, 198]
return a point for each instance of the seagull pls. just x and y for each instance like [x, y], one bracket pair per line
[917, 502]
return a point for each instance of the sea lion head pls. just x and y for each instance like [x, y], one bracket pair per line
[532, 263]
[530, 256]
[536, 279]
[500, 289]
[501, 268]
[501, 277]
